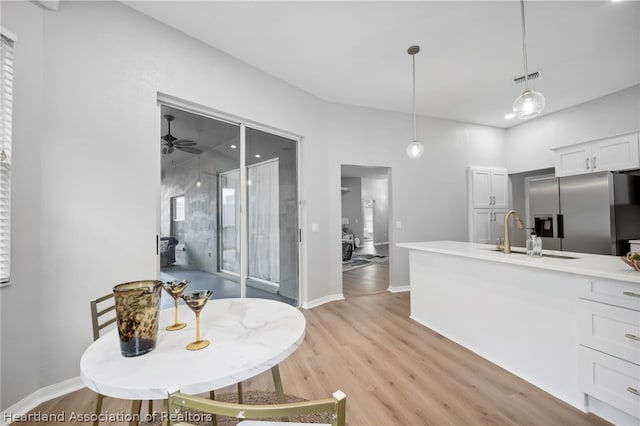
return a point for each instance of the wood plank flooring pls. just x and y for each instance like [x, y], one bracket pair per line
[370, 279]
[394, 372]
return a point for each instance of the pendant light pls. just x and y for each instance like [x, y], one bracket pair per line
[530, 103]
[415, 148]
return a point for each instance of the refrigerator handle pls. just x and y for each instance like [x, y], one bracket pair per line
[560, 220]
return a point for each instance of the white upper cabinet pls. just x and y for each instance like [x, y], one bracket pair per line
[488, 201]
[617, 153]
[489, 187]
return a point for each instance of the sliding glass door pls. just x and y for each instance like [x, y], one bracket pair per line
[229, 207]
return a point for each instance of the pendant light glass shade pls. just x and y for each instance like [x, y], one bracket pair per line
[415, 148]
[528, 105]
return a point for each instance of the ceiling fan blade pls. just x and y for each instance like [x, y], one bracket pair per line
[189, 149]
[184, 142]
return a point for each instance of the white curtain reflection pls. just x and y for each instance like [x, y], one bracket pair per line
[264, 221]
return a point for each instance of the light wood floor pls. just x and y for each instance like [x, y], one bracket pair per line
[370, 279]
[394, 372]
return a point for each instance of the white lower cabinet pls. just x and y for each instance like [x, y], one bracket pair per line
[611, 380]
[609, 337]
[487, 225]
[610, 329]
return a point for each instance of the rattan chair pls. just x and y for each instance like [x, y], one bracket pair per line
[337, 406]
[103, 314]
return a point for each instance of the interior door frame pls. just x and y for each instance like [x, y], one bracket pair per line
[164, 99]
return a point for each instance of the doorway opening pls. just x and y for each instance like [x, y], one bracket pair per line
[365, 229]
[210, 169]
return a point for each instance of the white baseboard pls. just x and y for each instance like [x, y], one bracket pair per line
[381, 244]
[321, 301]
[398, 288]
[44, 394]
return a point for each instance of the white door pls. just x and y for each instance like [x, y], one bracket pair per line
[500, 189]
[497, 225]
[481, 183]
[481, 226]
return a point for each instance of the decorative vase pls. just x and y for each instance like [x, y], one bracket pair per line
[137, 307]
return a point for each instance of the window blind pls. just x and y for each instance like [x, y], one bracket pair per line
[6, 103]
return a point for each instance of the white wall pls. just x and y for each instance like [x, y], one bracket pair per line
[529, 144]
[428, 196]
[88, 177]
[21, 315]
[90, 204]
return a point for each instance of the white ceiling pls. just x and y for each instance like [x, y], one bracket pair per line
[356, 52]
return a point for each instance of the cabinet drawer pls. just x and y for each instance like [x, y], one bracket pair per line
[610, 329]
[619, 293]
[610, 380]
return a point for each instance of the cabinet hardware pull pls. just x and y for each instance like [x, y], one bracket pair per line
[489, 199]
[632, 337]
[594, 163]
[587, 163]
[494, 200]
[633, 391]
[628, 293]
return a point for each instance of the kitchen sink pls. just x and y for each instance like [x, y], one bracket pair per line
[551, 256]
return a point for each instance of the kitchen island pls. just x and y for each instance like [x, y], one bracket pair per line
[566, 322]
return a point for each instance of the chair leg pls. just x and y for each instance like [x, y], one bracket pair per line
[135, 409]
[98, 409]
[150, 408]
[214, 418]
[239, 392]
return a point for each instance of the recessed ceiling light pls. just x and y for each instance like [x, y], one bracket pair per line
[232, 147]
[509, 116]
[257, 155]
[616, 1]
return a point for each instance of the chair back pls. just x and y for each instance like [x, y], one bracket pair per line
[102, 313]
[336, 406]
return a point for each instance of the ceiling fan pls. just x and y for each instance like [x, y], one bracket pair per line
[170, 143]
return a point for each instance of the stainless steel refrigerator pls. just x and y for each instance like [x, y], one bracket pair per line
[591, 213]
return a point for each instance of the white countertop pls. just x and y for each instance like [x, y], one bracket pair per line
[592, 265]
[248, 336]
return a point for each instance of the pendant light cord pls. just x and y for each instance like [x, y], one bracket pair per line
[414, 97]
[524, 47]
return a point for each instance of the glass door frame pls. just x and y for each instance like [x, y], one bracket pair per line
[194, 108]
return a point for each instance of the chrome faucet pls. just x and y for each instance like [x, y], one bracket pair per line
[507, 238]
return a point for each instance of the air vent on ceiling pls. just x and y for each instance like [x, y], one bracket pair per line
[536, 75]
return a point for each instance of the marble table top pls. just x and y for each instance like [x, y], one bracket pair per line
[248, 337]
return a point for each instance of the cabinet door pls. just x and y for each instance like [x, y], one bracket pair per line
[481, 221]
[573, 160]
[500, 188]
[619, 153]
[497, 225]
[481, 187]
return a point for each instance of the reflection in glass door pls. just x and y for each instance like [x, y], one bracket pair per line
[264, 222]
[230, 222]
[272, 212]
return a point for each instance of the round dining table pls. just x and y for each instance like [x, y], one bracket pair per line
[248, 337]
